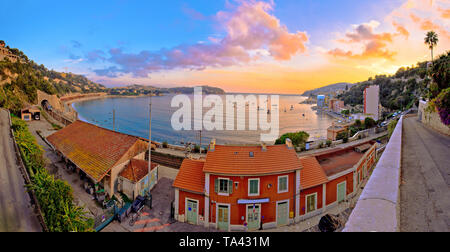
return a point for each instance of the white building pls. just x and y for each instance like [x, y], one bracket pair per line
[372, 101]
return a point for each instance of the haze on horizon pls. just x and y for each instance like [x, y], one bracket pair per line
[273, 46]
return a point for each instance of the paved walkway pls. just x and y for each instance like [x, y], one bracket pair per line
[424, 189]
[16, 213]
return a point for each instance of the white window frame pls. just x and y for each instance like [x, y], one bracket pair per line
[337, 191]
[259, 185]
[306, 203]
[287, 184]
[218, 187]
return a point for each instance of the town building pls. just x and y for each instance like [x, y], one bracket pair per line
[5, 53]
[372, 101]
[30, 113]
[336, 105]
[240, 188]
[261, 187]
[108, 159]
[321, 101]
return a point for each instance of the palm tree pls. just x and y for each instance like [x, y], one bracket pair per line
[431, 39]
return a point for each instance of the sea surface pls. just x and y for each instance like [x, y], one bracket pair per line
[132, 117]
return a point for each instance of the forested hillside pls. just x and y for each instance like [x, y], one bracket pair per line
[397, 91]
[19, 81]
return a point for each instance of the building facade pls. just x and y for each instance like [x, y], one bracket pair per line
[372, 101]
[248, 188]
[100, 154]
[241, 188]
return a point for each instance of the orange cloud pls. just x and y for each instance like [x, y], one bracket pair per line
[427, 24]
[374, 43]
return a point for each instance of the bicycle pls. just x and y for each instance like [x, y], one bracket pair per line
[135, 216]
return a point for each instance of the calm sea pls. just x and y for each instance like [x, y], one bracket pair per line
[132, 115]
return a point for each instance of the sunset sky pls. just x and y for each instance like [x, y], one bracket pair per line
[279, 46]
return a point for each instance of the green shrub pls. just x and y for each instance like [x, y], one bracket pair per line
[329, 143]
[165, 144]
[55, 196]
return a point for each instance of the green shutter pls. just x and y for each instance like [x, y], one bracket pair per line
[230, 186]
[216, 185]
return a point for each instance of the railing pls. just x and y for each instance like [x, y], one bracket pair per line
[377, 207]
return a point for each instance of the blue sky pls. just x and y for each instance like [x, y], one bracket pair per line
[57, 33]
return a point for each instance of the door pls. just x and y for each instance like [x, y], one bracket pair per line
[341, 191]
[282, 213]
[253, 217]
[222, 218]
[192, 212]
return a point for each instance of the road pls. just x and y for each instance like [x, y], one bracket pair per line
[16, 214]
[425, 179]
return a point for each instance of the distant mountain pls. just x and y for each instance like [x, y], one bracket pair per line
[329, 88]
[145, 90]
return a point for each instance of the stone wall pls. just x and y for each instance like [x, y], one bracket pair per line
[377, 207]
[432, 120]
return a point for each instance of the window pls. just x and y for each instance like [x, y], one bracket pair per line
[283, 184]
[223, 186]
[253, 187]
[311, 202]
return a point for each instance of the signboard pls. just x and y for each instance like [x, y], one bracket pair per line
[253, 201]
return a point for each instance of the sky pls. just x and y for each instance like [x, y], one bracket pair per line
[272, 46]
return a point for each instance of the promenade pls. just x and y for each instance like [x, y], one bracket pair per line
[425, 179]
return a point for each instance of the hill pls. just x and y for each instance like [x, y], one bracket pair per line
[19, 80]
[399, 91]
[145, 90]
[329, 88]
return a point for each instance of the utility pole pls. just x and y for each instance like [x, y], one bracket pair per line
[200, 133]
[150, 143]
[114, 120]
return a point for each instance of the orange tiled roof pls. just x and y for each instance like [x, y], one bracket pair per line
[93, 149]
[136, 170]
[312, 173]
[236, 160]
[190, 176]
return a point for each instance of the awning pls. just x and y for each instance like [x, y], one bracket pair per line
[253, 201]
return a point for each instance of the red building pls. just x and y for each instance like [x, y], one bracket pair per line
[253, 187]
[240, 187]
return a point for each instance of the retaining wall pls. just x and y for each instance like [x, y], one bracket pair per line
[377, 207]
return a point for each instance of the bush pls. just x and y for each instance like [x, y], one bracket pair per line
[329, 143]
[391, 127]
[55, 196]
[165, 144]
[442, 104]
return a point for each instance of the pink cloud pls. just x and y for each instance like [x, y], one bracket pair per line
[249, 27]
[374, 43]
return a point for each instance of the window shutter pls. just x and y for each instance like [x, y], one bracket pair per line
[230, 186]
[216, 185]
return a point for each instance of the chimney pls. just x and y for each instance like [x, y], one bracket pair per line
[263, 146]
[289, 143]
[212, 145]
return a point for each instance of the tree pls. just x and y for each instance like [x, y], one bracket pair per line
[431, 39]
[297, 138]
[369, 122]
